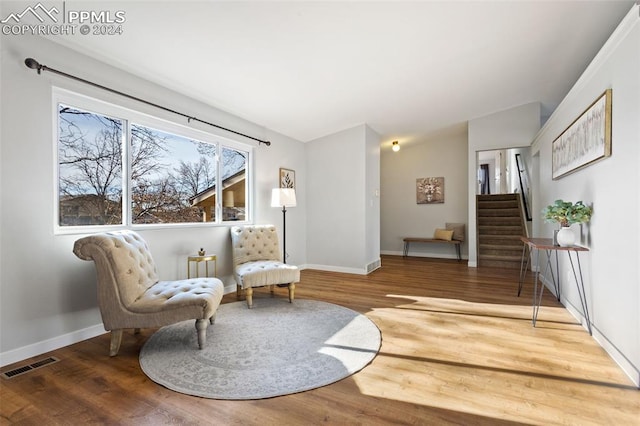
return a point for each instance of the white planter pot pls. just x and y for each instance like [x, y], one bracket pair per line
[566, 237]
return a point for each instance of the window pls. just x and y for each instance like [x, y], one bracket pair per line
[119, 167]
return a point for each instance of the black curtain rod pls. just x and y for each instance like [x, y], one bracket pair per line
[33, 64]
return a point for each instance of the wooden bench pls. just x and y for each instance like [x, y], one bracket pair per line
[409, 240]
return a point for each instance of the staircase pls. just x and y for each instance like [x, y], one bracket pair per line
[500, 224]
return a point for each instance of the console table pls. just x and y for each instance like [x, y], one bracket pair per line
[546, 245]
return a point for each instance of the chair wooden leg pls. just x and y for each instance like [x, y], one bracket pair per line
[201, 327]
[212, 320]
[238, 291]
[248, 293]
[292, 289]
[116, 339]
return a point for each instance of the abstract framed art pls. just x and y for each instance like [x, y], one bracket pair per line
[586, 140]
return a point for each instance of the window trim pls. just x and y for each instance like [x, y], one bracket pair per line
[131, 116]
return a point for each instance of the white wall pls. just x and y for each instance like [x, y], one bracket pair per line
[47, 295]
[372, 198]
[514, 127]
[612, 266]
[340, 178]
[442, 154]
[289, 154]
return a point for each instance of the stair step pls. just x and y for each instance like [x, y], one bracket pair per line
[500, 230]
[514, 258]
[500, 239]
[498, 197]
[497, 250]
[498, 264]
[503, 254]
[510, 247]
[516, 228]
[513, 204]
[491, 212]
[499, 220]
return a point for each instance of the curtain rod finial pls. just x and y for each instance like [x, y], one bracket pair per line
[33, 64]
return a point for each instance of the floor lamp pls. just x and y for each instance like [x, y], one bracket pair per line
[283, 197]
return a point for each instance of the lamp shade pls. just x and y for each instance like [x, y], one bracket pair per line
[283, 197]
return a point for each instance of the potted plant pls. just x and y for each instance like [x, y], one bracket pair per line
[566, 214]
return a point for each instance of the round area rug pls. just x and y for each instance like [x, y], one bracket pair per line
[275, 348]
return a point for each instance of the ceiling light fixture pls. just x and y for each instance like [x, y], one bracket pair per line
[395, 146]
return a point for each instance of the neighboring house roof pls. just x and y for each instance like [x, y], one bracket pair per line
[207, 196]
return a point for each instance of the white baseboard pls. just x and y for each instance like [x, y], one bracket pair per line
[602, 340]
[369, 268]
[39, 348]
[619, 358]
[424, 254]
[331, 268]
[48, 345]
[470, 264]
[229, 283]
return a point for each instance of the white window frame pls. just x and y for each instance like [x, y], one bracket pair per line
[130, 116]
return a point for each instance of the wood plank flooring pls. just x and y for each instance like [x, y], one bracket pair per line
[458, 347]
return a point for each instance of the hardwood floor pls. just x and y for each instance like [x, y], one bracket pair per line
[458, 347]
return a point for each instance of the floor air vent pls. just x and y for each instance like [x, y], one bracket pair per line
[26, 368]
[373, 266]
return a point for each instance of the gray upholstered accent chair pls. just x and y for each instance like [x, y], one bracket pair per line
[130, 295]
[256, 261]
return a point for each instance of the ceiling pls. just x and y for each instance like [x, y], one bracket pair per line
[407, 69]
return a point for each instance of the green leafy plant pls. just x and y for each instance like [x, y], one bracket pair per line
[567, 213]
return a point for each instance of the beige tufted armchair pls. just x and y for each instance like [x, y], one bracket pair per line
[130, 294]
[256, 261]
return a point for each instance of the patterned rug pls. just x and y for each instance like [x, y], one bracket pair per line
[276, 348]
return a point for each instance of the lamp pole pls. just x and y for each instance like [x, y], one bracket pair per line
[283, 197]
[284, 234]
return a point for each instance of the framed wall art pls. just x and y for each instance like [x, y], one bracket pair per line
[287, 178]
[430, 190]
[586, 140]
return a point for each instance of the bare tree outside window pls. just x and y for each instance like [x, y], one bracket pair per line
[167, 170]
[172, 178]
[89, 168]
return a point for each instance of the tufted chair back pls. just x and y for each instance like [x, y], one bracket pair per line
[130, 294]
[123, 260]
[254, 242]
[256, 261]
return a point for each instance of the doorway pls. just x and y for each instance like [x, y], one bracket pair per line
[505, 171]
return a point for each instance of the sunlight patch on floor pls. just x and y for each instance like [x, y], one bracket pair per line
[463, 307]
[456, 354]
